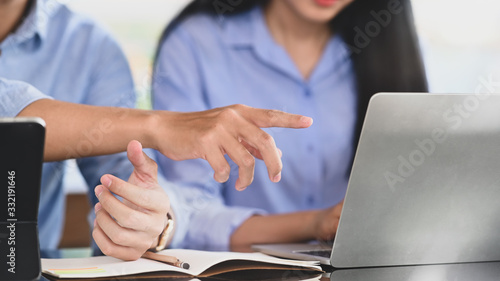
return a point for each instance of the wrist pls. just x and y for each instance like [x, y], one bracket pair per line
[158, 127]
[313, 224]
[135, 124]
[150, 124]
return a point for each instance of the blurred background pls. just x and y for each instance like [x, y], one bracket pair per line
[137, 26]
[460, 41]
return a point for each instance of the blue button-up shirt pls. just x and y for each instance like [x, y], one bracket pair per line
[207, 62]
[68, 57]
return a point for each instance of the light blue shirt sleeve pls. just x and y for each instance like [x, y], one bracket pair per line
[204, 221]
[16, 95]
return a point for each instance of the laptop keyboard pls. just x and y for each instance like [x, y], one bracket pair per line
[318, 253]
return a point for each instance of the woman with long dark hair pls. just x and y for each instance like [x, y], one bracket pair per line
[321, 58]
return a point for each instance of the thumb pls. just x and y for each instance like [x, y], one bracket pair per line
[144, 167]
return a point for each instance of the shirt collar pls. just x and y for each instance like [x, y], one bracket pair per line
[250, 31]
[36, 23]
[238, 30]
[334, 56]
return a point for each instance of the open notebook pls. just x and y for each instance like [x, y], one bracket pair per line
[202, 264]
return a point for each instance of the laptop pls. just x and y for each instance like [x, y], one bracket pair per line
[21, 158]
[424, 186]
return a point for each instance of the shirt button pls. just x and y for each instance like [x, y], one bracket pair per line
[307, 91]
[310, 148]
[310, 199]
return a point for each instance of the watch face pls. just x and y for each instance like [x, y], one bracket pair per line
[166, 235]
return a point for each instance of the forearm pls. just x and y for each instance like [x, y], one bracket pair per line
[285, 228]
[75, 130]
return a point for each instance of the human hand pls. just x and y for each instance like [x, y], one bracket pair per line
[233, 130]
[127, 229]
[327, 222]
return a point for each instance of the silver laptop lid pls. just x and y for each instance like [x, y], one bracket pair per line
[425, 184]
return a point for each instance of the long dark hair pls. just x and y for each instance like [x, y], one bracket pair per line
[379, 33]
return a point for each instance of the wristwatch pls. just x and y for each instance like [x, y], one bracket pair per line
[166, 235]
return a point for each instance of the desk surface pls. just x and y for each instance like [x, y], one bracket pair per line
[486, 271]
[450, 272]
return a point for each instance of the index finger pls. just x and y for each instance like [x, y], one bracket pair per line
[148, 199]
[265, 118]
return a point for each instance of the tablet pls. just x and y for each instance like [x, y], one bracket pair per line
[21, 158]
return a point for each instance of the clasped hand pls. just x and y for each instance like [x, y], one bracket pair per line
[126, 229]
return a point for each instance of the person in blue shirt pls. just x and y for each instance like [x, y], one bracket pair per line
[74, 61]
[321, 58]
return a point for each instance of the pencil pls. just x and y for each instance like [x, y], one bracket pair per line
[166, 259]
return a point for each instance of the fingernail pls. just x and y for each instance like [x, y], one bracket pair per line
[95, 223]
[277, 178]
[98, 190]
[106, 181]
[306, 120]
[97, 207]
[238, 185]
